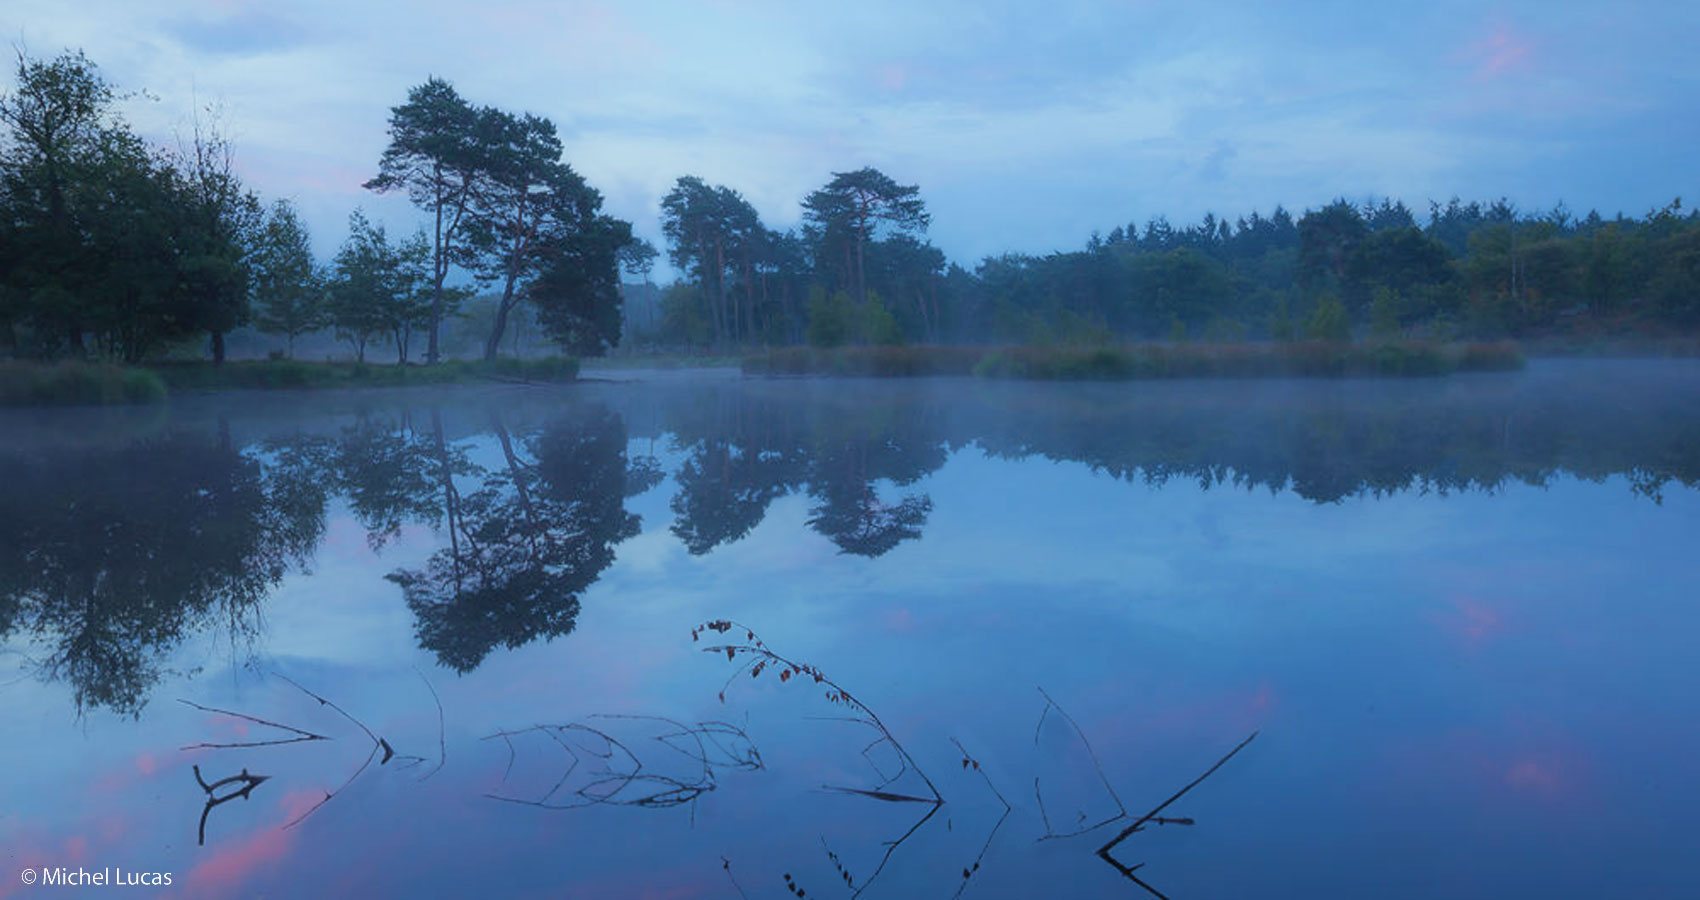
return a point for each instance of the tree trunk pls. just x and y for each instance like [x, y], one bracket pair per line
[439, 270]
[218, 348]
[503, 306]
[721, 323]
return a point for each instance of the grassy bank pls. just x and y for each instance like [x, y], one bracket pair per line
[660, 361]
[295, 374]
[874, 361]
[95, 384]
[1134, 361]
[76, 384]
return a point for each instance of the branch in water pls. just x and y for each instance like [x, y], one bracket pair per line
[1153, 816]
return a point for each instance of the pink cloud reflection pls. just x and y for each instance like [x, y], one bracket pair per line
[235, 863]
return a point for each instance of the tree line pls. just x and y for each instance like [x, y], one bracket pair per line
[105, 240]
[112, 248]
[860, 271]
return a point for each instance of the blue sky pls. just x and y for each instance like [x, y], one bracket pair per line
[1027, 126]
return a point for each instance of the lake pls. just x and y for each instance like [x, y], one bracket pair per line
[684, 634]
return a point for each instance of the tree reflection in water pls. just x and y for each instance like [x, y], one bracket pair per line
[112, 554]
[527, 538]
[108, 559]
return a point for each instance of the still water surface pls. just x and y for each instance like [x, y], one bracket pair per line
[457, 633]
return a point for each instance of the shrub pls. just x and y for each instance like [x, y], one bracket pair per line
[76, 384]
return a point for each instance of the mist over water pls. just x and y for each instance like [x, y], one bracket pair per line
[1456, 612]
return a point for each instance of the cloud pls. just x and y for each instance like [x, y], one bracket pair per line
[1026, 126]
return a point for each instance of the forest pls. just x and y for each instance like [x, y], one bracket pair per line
[116, 250]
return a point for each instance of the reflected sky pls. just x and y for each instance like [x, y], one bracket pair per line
[1456, 612]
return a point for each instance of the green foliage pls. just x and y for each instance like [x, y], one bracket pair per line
[577, 290]
[377, 289]
[843, 218]
[878, 324]
[76, 384]
[866, 361]
[832, 320]
[1328, 321]
[105, 237]
[714, 235]
[1281, 323]
[295, 374]
[1143, 361]
[1384, 313]
[287, 290]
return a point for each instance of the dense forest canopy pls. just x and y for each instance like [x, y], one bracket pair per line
[112, 248]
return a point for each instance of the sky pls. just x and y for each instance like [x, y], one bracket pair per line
[1027, 126]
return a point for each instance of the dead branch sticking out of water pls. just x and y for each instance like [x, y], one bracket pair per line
[380, 745]
[969, 762]
[620, 777]
[726, 866]
[757, 658]
[248, 782]
[1121, 811]
[1153, 816]
[442, 732]
[300, 735]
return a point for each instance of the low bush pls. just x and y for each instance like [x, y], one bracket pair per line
[76, 384]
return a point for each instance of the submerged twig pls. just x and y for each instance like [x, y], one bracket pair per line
[968, 761]
[379, 745]
[620, 768]
[301, 735]
[442, 733]
[248, 782]
[1153, 816]
[1121, 810]
[758, 657]
[726, 866]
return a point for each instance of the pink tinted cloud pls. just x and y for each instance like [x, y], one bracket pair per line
[892, 76]
[233, 864]
[1504, 51]
[1531, 769]
[1472, 622]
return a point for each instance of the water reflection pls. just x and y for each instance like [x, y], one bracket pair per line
[108, 558]
[112, 552]
[524, 537]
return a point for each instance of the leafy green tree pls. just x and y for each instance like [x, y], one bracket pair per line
[1401, 259]
[1384, 313]
[638, 257]
[1281, 322]
[377, 289]
[63, 134]
[713, 234]
[1328, 322]
[909, 271]
[577, 289]
[831, 319]
[848, 211]
[527, 215]
[287, 289]
[1327, 239]
[437, 157]
[219, 220]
